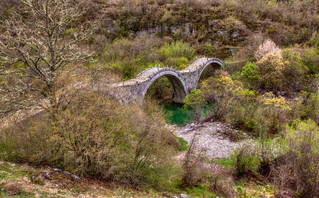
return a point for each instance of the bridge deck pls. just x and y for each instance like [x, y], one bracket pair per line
[195, 65]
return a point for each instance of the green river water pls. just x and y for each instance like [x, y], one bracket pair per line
[177, 114]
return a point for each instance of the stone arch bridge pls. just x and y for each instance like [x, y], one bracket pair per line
[182, 80]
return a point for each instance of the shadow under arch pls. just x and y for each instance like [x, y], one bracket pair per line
[179, 87]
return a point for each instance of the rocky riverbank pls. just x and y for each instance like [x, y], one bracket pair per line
[213, 139]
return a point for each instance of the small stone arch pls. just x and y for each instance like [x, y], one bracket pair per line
[179, 86]
[214, 64]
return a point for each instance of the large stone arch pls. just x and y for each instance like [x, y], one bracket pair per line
[179, 86]
[183, 81]
[211, 64]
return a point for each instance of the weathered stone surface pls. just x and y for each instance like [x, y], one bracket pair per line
[67, 173]
[184, 196]
[75, 178]
[47, 176]
[56, 170]
[182, 81]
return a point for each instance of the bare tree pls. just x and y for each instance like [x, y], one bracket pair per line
[36, 41]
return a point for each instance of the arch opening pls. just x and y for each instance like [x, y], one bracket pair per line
[208, 72]
[166, 86]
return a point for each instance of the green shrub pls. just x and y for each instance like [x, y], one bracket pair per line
[256, 157]
[302, 160]
[177, 49]
[177, 62]
[314, 40]
[231, 101]
[208, 48]
[130, 56]
[271, 69]
[195, 100]
[245, 162]
[312, 107]
[96, 136]
[241, 116]
[250, 72]
[272, 114]
[310, 57]
[294, 71]
[159, 88]
[218, 90]
[225, 162]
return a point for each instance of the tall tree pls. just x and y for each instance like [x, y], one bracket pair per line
[35, 42]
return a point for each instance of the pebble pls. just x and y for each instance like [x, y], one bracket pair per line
[56, 170]
[183, 196]
[75, 178]
[46, 176]
[67, 173]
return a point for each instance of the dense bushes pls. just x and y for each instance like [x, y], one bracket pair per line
[243, 108]
[128, 57]
[178, 49]
[291, 162]
[298, 169]
[95, 136]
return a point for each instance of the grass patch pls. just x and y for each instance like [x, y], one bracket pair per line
[184, 144]
[200, 191]
[253, 188]
[224, 161]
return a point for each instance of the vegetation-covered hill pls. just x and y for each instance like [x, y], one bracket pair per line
[53, 53]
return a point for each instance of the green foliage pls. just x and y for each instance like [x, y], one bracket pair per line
[200, 191]
[269, 149]
[303, 158]
[177, 62]
[231, 101]
[310, 58]
[250, 72]
[218, 90]
[160, 88]
[271, 114]
[208, 48]
[294, 70]
[130, 56]
[177, 49]
[271, 72]
[227, 162]
[245, 162]
[314, 40]
[184, 144]
[241, 109]
[312, 107]
[284, 72]
[195, 100]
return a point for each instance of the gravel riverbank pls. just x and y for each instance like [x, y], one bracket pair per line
[212, 138]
